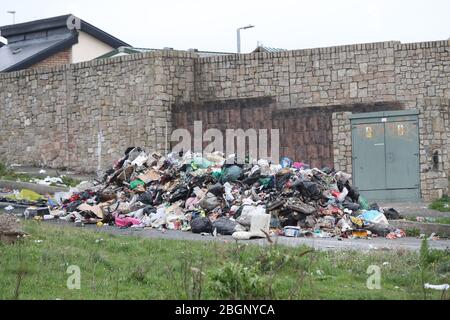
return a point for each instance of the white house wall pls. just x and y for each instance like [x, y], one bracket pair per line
[88, 48]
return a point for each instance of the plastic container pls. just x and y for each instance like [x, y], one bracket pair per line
[291, 231]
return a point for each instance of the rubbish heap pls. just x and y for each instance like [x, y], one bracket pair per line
[210, 194]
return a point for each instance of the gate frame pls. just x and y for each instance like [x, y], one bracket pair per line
[358, 118]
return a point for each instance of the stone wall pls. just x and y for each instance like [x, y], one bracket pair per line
[361, 73]
[434, 138]
[422, 70]
[342, 141]
[83, 116]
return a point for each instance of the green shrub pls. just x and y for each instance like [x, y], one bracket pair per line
[69, 181]
[236, 281]
[272, 260]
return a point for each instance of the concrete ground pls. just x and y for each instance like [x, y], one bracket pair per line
[414, 209]
[317, 243]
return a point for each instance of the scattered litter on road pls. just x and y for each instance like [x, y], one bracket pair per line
[433, 236]
[48, 181]
[398, 233]
[425, 219]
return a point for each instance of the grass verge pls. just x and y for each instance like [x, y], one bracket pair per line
[442, 204]
[124, 267]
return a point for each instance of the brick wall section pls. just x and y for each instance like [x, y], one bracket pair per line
[59, 58]
[306, 135]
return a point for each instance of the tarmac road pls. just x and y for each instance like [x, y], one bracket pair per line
[408, 243]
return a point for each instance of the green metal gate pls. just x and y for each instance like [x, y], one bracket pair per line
[385, 155]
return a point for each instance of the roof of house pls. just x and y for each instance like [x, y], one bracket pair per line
[121, 51]
[202, 54]
[31, 42]
[268, 49]
[23, 54]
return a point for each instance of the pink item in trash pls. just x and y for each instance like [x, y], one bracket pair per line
[191, 202]
[126, 221]
[298, 165]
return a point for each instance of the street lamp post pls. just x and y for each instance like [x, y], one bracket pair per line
[14, 15]
[238, 31]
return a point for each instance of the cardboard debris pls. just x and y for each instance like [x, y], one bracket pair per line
[97, 209]
[149, 176]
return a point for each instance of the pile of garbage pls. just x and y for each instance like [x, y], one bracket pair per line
[210, 194]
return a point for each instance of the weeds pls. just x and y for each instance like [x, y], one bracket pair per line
[236, 281]
[21, 270]
[254, 279]
[412, 232]
[10, 175]
[442, 204]
[139, 274]
[192, 276]
[69, 181]
[423, 263]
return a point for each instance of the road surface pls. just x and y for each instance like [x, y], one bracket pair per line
[408, 243]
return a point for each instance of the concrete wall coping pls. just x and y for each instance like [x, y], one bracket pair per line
[168, 54]
[159, 54]
[383, 114]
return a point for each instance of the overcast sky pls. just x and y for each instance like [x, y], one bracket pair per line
[211, 24]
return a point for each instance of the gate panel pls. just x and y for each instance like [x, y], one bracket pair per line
[385, 155]
[402, 157]
[369, 156]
